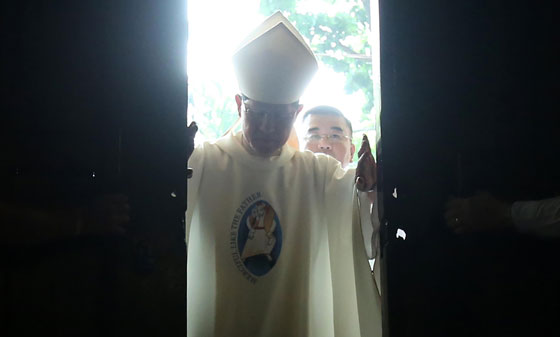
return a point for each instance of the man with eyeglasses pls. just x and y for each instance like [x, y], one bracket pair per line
[266, 252]
[326, 130]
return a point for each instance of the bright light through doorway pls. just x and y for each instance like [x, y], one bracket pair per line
[215, 29]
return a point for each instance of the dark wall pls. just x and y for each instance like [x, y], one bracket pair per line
[468, 95]
[93, 102]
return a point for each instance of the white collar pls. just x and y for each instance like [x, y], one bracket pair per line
[231, 144]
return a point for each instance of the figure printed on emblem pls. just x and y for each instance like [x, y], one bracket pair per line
[261, 238]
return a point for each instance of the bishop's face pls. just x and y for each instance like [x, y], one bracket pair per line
[266, 127]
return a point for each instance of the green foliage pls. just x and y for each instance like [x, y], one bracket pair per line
[339, 41]
[213, 110]
[270, 6]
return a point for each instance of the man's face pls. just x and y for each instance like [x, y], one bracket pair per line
[266, 127]
[329, 135]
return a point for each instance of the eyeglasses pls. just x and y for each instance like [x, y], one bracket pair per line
[273, 115]
[333, 138]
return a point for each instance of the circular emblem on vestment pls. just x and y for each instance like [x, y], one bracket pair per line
[259, 238]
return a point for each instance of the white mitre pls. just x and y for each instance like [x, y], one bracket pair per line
[273, 64]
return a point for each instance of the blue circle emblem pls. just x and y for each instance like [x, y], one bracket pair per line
[259, 238]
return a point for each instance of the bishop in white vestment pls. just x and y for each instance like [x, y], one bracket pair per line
[274, 239]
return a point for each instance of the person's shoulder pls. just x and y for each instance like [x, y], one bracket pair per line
[317, 160]
[308, 157]
[208, 149]
[214, 144]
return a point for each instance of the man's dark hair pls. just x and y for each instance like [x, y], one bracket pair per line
[327, 110]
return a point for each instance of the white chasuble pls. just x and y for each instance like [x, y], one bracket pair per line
[274, 247]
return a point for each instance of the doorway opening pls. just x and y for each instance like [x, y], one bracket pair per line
[343, 34]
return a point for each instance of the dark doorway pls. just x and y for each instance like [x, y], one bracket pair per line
[468, 104]
[94, 99]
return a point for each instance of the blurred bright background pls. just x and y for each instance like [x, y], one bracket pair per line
[343, 34]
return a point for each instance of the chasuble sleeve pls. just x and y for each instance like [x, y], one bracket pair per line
[196, 162]
[541, 217]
